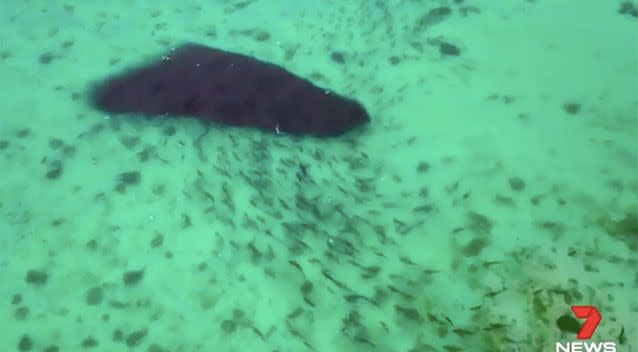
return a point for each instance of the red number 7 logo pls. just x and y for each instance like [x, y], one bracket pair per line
[592, 319]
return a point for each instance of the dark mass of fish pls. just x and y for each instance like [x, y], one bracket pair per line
[228, 88]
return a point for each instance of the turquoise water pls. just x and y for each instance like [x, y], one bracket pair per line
[496, 186]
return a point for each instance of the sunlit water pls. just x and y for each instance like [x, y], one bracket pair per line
[495, 187]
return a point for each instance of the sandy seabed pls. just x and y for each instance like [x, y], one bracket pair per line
[496, 186]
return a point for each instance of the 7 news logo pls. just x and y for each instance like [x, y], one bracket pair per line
[592, 319]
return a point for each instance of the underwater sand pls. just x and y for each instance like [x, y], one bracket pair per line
[496, 185]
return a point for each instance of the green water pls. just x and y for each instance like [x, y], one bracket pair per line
[496, 186]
